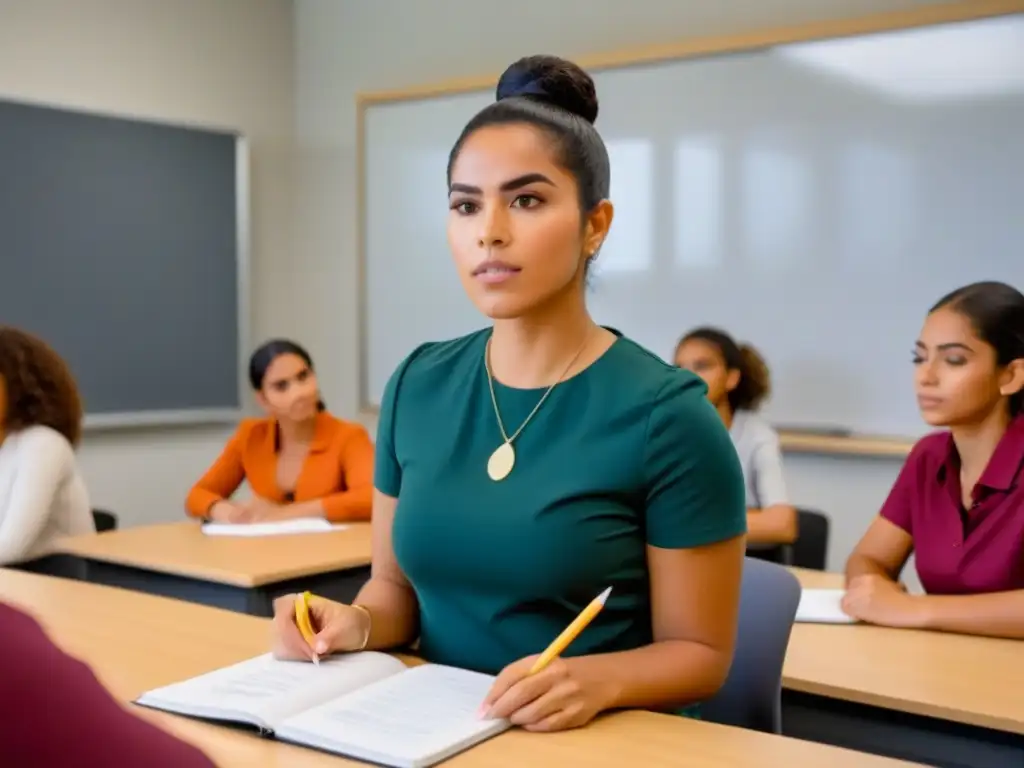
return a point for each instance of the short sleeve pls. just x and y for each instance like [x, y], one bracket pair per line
[899, 504]
[769, 478]
[695, 490]
[387, 470]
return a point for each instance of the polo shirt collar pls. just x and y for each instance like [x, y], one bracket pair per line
[1005, 465]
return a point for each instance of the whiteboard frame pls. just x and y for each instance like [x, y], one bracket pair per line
[963, 11]
[243, 228]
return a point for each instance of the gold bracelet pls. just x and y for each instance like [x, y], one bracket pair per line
[369, 625]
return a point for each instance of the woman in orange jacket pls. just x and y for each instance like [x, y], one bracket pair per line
[299, 461]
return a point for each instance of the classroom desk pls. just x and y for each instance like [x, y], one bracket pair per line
[136, 642]
[937, 698]
[236, 573]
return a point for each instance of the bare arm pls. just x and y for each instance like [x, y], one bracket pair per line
[996, 614]
[694, 629]
[772, 525]
[883, 551]
[388, 596]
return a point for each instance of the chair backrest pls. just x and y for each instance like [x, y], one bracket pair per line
[810, 550]
[104, 521]
[752, 694]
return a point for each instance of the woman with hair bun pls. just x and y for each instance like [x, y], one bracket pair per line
[523, 469]
[738, 383]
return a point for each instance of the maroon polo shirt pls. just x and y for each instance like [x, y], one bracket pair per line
[55, 713]
[962, 551]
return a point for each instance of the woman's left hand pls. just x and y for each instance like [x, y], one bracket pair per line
[880, 601]
[566, 694]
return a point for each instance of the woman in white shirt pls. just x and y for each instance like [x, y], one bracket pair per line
[738, 383]
[42, 496]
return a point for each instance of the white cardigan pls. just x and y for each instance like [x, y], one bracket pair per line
[42, 495]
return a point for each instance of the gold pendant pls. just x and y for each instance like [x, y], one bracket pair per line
[501, 462]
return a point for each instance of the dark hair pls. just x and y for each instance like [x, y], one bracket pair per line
[40, 388]
[559, 98]
[267, 353]
[996, 312]
[754, 386]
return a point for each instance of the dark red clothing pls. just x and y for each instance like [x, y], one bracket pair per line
[55, 713]
[958, 551]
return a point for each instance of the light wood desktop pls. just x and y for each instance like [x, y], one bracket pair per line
[975, 682]
[239, 573]
[136, 642]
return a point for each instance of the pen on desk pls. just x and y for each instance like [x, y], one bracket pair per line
[571, 632]
[304, 623]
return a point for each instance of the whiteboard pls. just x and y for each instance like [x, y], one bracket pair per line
[813, 199]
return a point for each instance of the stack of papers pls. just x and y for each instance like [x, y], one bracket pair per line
[282, 528]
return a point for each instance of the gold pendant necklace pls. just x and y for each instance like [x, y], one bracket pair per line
[501, 462]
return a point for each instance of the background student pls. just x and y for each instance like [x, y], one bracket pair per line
[42, 495]
[738, 383]
[55, 713]
[958, 503]
[299, 461]
[523, 469]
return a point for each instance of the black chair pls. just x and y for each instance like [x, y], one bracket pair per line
[104, 521]
[810, 550]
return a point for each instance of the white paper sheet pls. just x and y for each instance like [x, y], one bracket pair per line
[822, 606]
[282, 528]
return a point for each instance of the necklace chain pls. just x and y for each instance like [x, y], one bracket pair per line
[494, 399]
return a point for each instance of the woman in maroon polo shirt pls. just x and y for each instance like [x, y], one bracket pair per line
[958, 503]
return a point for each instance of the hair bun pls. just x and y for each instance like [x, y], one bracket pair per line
[552, 80]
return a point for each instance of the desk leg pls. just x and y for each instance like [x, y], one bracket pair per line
[899, 735]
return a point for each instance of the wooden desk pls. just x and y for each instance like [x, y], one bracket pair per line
[939, 698]
[240, 574]
[136, 642]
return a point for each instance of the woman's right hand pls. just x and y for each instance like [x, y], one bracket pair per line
[338, 628]
[229, 512]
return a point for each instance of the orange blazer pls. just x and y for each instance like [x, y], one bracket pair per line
[338, 470]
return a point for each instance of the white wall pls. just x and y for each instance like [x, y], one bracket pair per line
[347, 46]
[227, 63]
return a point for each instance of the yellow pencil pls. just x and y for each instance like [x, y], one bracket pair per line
[571, 632]
[305, 625]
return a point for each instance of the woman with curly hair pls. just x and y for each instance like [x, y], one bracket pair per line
[42, 495]
[738, 383]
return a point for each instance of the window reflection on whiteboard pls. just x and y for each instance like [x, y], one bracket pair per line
[630, 243]
[697, 208]
[877, 200]
[944, 63]
[776, 197]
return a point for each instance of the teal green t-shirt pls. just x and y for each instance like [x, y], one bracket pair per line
[626, 454]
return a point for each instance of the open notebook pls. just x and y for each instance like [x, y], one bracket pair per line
[822, 606]
[367, 706]
[280, 528]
